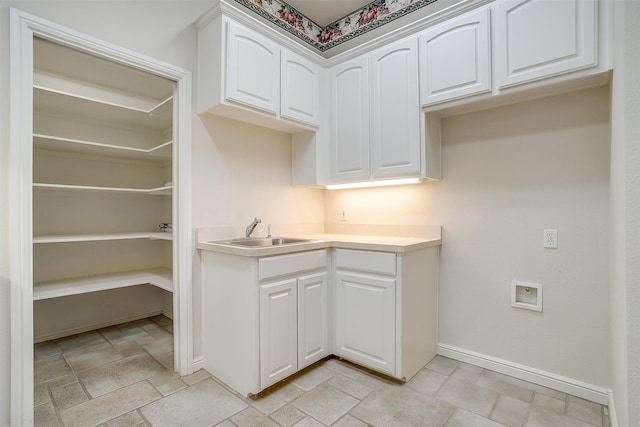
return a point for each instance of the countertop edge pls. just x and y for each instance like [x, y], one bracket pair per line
[346, 242]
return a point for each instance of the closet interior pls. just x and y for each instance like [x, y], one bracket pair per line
[102, 192]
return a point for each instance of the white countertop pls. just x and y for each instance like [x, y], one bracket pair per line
[323, 241]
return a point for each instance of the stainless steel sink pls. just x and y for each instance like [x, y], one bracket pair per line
[262, 241]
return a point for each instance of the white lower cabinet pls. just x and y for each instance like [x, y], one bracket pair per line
[267, 318]
[365, 320]
[278, 330]
[386, 309]
[264, 318]
[293, 325]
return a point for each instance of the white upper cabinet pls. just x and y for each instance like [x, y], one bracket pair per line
[455, 58]
[350, 120]
[253, 69]
[248, 76]
[375, 107]
[300, 88]
[395, 118]
[538, 39]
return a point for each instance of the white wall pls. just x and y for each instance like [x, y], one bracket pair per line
[509, 173]
[625, 215]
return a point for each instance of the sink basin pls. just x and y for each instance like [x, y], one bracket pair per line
[262, 241]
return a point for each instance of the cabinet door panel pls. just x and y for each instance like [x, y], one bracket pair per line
[312, 319]
[253, 69]
[365, 320]
[455, 58]
[541, 38]
[278, 331]
[395, 117]
[350, 120]
[300, 83]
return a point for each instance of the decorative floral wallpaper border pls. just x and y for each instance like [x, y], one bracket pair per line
[373, 15]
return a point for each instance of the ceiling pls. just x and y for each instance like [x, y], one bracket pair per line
[325, 12]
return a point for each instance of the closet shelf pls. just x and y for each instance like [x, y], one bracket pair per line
[159, 153]
[156, 118]
[69, 238]
[160, 277]
[159, 191]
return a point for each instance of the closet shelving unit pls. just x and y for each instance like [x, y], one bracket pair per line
[102, 165]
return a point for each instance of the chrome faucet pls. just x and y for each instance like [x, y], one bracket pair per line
[252, 226]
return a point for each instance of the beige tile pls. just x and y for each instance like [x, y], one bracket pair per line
[540, 417]
[87, 348]
[68, 395]
[491, 382]
[196, 377]
[372, 381]
[60, 381]
[76, 342]
[50, 368]
[287, 415]
[285, 391]
[132, 418]
[163, 378]
[251, 417]
[267, 403]
[107, 378]
[41, 394]
[159, 333]
[583, 410]
[193, 406]
[310, 378]
[308, 422]
[350, 386]
[444, 365]
[468, 396]
[171, 387]
[45, 416]
[463, 418]
[550, 403]
[110, 406]
[345, 368]
[427, 381]
[81, 361]
[129, 348]
[349, 421]
[159, 346]
[524, 384]
[467, 373]
[161, 320]
[165, 359]
[124, 334]
[46, 349]
[226, 423]
[390, 406]
[325, 403]
[510, 412]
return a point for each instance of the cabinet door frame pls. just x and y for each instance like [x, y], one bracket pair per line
[475, 24]
[315, 314]
[395, 93]
[284, 292]
[386, 288]
[584, 56]
[359, 131]
[23, 27]
[289, 108]
[270, 102]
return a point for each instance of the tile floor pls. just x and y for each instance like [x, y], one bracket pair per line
[123, 376]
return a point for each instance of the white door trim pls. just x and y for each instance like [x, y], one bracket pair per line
[23, 27]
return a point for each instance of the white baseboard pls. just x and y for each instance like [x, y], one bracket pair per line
[93, 326]
[198, 363]
[167, 313]
[613, 416]
[527, 373]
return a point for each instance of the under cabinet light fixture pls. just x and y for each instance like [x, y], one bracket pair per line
[366, 184]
